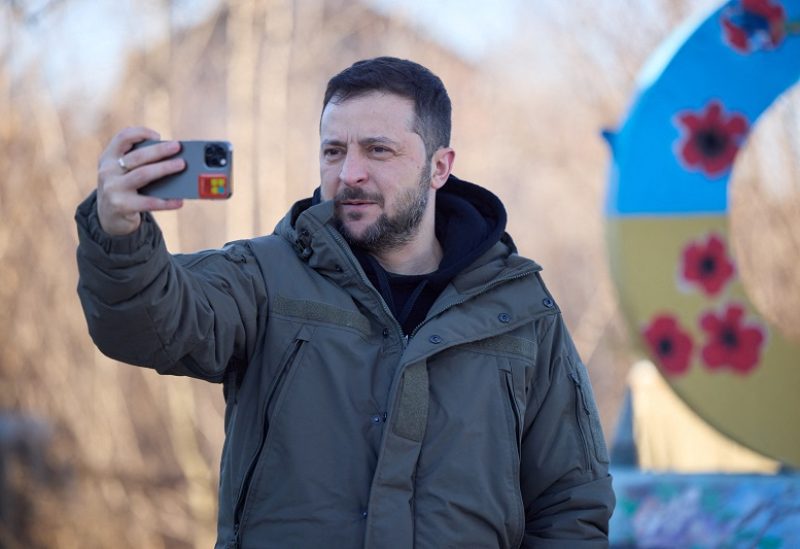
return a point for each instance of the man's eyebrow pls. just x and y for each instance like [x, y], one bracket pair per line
[332, 142]
[378, 140]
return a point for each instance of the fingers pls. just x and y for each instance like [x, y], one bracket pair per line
[138, 175]
[123, 141]
[118, 155]
[148, 155]
[125, 169]
[122, 171]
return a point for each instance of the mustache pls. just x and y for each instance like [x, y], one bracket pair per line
[357, 193]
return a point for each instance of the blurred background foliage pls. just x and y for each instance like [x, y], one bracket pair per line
[94, 454]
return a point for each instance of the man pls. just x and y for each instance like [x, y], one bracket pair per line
[395, 374]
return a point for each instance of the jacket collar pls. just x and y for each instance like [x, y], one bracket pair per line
[309, 227]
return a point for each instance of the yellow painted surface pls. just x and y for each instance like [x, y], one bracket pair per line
[760, 409]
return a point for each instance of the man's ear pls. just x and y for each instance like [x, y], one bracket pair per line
[442, 165]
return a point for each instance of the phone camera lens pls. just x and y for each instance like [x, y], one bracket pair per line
[216, 155]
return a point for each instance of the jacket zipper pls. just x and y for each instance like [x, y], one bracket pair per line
[405, 338]
[244, 489]
[518, 443]
[517, 415]
[580, 412]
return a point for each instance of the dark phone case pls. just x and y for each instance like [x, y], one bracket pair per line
[197, 180]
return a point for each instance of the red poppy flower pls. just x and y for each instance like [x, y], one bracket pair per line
[670, 344]
[753, 25]
[710, 139]
[707, 264]
[731, 342]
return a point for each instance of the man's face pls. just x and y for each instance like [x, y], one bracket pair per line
[375, 168]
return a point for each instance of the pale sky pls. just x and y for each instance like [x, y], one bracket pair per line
[81, 43]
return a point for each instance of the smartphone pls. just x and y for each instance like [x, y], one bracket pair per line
[208, 172]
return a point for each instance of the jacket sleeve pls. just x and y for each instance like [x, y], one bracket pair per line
[565, 483]
[180, 315]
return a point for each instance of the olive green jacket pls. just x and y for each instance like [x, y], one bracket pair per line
[478, 430]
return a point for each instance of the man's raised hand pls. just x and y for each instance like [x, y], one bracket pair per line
[121, 172]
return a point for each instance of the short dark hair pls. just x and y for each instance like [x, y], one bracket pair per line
[406, 79]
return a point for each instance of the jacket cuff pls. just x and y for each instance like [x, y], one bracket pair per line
[138, 245]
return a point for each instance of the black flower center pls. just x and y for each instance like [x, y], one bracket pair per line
[751, 22]
[708, 264]
[711, 142]
[729, 338]
[665, 347]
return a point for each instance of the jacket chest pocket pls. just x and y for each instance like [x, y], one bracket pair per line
[281, 383]
[587, 416]
[276, 394]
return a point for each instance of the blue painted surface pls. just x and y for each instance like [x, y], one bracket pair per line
[705, 510]
[646, 176]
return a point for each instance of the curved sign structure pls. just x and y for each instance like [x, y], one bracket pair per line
[667, 209]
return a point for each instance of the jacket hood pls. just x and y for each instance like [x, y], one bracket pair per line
[469, 221]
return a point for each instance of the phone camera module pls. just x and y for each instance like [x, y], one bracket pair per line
[216, 155]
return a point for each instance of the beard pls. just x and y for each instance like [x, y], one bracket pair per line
[387, 232]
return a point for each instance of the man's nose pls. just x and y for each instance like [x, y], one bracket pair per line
[354, 169]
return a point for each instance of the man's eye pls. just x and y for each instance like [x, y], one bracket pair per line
[330, 153]
[380, 150]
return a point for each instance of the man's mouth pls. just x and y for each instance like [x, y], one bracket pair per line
[355, 203]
